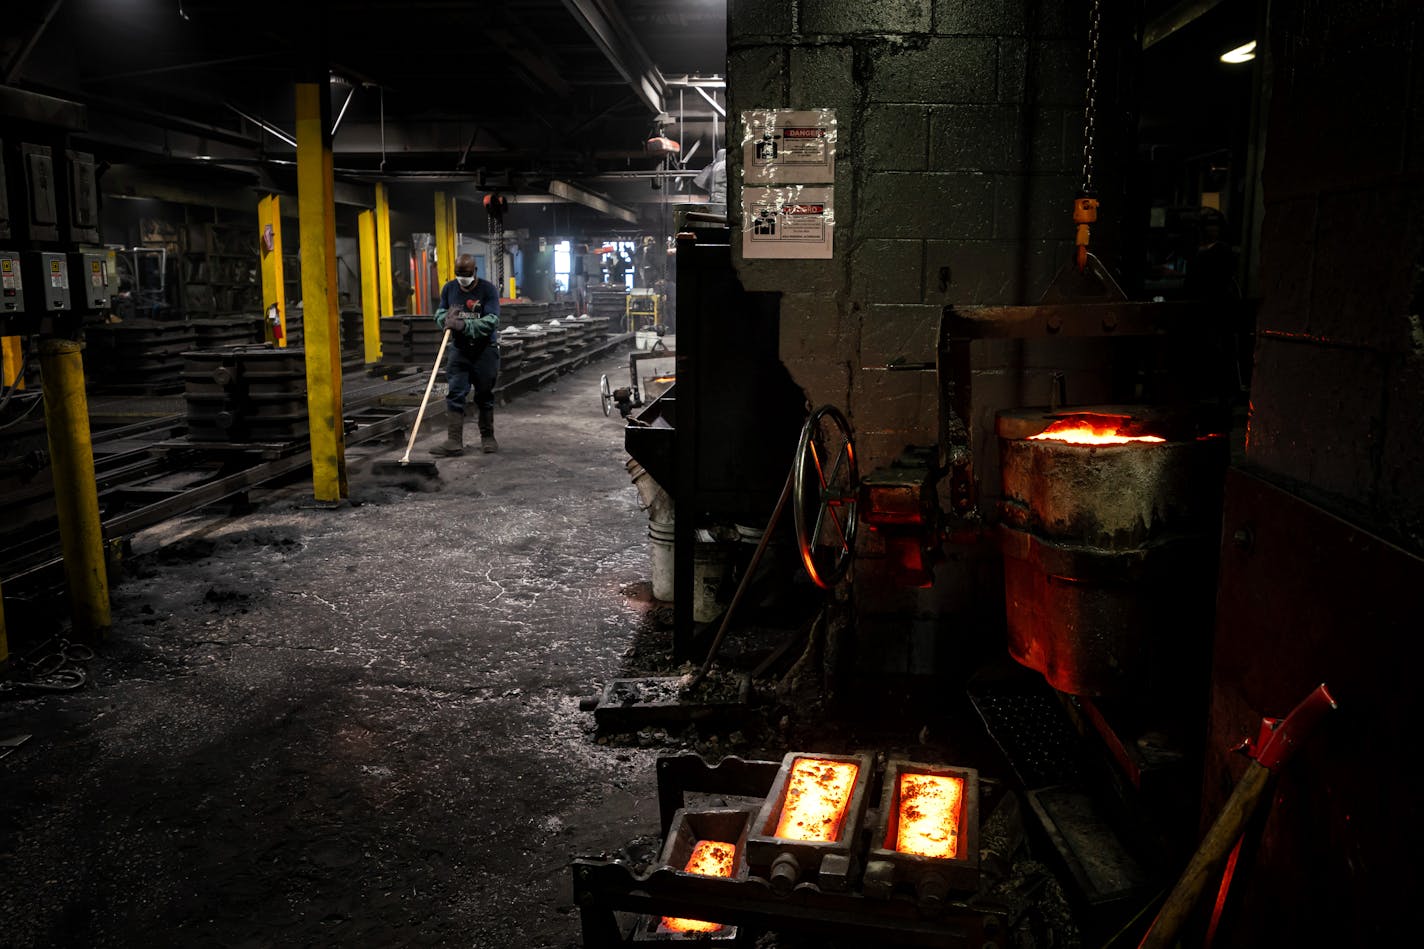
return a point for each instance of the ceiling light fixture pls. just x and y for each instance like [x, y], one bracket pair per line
[1241, 54]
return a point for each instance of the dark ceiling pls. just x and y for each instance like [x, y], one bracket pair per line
[512, 94]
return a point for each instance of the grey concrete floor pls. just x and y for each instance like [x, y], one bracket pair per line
[356, 727]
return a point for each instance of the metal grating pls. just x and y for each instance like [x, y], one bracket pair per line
[1033, 731]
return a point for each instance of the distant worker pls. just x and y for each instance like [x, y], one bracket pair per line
[713, 180]
[469, 309]
[1211, 271]
[1211, 276]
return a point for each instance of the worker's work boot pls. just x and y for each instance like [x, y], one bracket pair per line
[454, 436]
[487, 443]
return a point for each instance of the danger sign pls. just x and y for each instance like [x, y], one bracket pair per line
[789, 146]
[791, 222]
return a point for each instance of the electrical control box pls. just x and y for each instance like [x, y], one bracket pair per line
[43, 201]
[93, 278]
[83, 197]
[12, 286]
[49, 282]
[4, 198]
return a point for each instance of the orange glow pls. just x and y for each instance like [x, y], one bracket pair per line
[817, 794]
[929, 815]
[1084, 431]
[710, 858]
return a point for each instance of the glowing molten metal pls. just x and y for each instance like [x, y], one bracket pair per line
[1082, 431]
[929, 815]
[710, 858]
[817, 794]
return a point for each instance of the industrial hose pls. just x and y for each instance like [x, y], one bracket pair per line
[59, 671]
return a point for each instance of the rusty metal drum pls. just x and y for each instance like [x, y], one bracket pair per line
[1109, 526]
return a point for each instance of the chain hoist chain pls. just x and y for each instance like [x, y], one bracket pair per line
[1090, 97]
[496, 245]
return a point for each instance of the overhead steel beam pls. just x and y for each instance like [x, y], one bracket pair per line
[1180, 16]
[42, 109]
[599, 117]
[18, 60]
[701, 82]
[641, 175]
[336, 126]
[610, 32]
[266, 127]
[536, 61]
[562, 189]
[181, 67]
[716, 106]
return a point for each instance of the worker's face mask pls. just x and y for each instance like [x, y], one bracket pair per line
[465, 282]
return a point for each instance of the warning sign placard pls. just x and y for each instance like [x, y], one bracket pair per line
[784, 146]
[790, 222]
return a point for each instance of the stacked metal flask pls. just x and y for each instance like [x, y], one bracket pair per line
[246, 394]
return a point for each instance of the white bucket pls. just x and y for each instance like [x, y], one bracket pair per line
[749, 535]
[710, 563]
[660, 542]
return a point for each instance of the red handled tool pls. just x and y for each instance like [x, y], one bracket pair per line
[1278, 741]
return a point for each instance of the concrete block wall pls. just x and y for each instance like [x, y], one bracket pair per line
[1338, 392]
[958, 156]
[959, 128]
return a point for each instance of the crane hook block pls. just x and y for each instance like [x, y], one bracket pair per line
[1085, 212]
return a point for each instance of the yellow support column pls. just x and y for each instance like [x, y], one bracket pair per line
[370, 292]
[76, 494]
[321, 333]
[333, 285]
[12, 355]
[274, 289]
[385, 271]
[444, 237]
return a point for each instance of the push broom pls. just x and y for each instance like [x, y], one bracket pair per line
[405, 467]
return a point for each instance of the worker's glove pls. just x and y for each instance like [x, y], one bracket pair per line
[455, 322]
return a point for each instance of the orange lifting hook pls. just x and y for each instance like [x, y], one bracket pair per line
[1085, 212]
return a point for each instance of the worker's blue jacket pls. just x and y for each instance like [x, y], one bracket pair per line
[480, 306]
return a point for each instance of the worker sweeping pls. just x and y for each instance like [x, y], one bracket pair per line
[469, 309]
